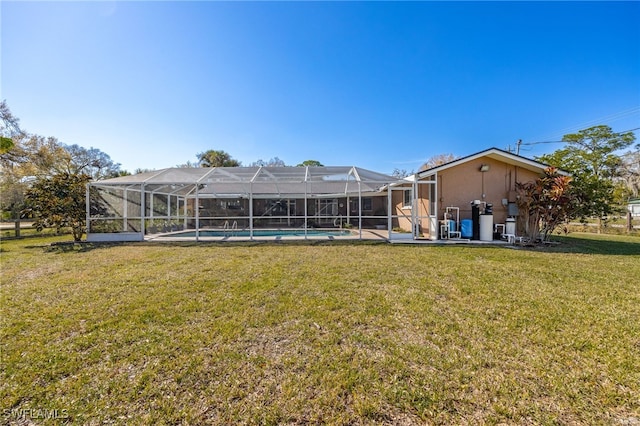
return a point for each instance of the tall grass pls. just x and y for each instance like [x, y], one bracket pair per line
[321, 333]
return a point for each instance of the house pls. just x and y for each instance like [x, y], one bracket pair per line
[634, 207]
[486, 180]
[431, 204]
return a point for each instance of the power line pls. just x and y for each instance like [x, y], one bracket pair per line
[607, 118]
[537, 142]
[611, 117]
[520, 143]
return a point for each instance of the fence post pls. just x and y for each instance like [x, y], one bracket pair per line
[629, 223]
[17, 227]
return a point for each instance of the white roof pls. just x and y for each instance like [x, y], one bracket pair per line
[232, 181]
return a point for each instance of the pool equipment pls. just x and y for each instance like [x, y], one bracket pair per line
[486, 227]
[475, 217]
[449, 225]
[466, 228]
[486, 223]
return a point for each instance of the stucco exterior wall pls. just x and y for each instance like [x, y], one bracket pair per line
[424, 208]
[458, 186]
[404, 213]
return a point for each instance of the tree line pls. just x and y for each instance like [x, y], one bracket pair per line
[219, 158]
[603, 178]
[27, 160]
[44, 180]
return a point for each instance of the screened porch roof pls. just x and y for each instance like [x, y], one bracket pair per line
[259, 181]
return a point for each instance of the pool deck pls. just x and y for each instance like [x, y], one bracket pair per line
[367, 235]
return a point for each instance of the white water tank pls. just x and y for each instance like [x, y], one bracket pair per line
[510, 226]
[486, 227]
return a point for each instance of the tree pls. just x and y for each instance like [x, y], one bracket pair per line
[438, 160]
[34, 155]
[630, 174]
[592, 160]
[274, 162]
[216, 158]
[9, 128]
[58, 201]
[401, 173]
[92, 162]
[30, 156]
[140, 170]
[6, 144]
[187, 165]
[545, 203]
[313, 163]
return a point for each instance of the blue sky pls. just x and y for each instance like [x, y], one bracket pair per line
[374, 84]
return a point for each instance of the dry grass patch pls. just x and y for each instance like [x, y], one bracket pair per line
[322, 333]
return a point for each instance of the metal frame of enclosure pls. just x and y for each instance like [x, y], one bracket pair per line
[238, 198]
[420, 215]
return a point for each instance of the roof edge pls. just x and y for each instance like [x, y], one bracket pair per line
[497, 151]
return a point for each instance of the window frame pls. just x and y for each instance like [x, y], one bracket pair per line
[407, 204]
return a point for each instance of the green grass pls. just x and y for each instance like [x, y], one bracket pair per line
[322, 333]
[29, 232]
[614, 226]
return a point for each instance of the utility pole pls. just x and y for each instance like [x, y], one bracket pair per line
[518, 146]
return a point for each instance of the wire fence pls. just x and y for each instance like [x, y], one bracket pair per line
[24, 228]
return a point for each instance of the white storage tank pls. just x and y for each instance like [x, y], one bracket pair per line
[510, 226]
[486, 227]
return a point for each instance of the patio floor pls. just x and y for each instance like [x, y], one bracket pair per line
[367, 234]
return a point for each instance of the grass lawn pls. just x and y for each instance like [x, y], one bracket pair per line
[357, 333]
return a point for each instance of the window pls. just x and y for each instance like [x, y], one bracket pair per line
[366, 204]
[235, 204]
[406, 202]
[280, 207]
[327, 207]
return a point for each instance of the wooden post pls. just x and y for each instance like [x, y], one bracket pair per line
[629, 223]
[17, 224]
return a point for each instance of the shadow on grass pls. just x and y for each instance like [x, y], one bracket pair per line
[595, 244]
[573, 243]
[67, 247]
[84, 246]
[73, 247]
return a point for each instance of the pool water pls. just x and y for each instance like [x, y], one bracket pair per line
[259, 233]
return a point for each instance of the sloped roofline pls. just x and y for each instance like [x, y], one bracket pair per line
[200, 174]
[497, 154]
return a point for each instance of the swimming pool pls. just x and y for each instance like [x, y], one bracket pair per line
[258, 233]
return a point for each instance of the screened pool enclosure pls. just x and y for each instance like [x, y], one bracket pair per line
[234, 199]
